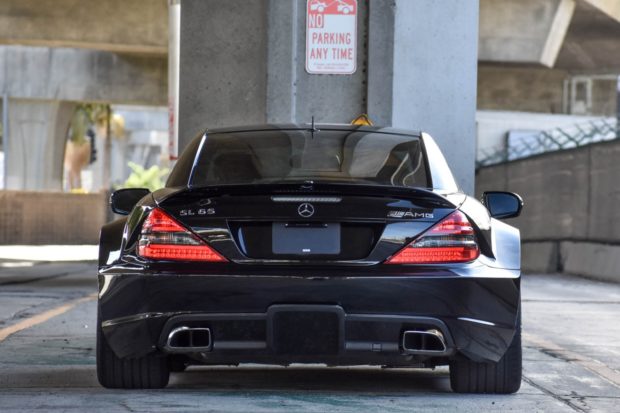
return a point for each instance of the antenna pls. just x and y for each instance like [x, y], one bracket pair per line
[313, 129]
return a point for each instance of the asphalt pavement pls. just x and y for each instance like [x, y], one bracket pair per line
[47, 358]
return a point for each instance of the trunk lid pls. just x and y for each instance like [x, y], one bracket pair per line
[306, 224]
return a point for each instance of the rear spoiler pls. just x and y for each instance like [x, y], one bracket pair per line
[420, 195]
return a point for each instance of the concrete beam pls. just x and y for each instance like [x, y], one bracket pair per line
[592, 41]
[82, 75]
[609, 7]
[127, 26]
[523, 31]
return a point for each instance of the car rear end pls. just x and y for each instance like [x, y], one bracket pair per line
[337, 269]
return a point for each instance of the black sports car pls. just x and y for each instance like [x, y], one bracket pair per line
[343, 245]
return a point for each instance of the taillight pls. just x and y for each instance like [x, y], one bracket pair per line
[451, 240]
[163, 238]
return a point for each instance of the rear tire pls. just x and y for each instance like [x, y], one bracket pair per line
[147, 372]
[177, 365]
[503, 377]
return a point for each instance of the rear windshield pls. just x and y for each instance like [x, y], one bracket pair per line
[299, 155]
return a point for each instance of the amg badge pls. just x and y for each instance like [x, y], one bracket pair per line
[410, 214]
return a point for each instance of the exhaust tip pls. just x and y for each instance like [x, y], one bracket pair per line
[424, 341]
[189, 339]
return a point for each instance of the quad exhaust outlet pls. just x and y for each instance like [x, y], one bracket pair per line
[424, 342]
[189, 339]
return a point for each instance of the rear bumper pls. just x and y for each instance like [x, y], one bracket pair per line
[477, 315]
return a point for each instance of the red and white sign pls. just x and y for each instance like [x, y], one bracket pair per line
[331, 36]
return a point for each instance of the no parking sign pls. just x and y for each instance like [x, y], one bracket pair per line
[331, 36]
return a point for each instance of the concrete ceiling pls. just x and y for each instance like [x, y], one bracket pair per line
[125, 26]
[592, 42]
[574, 35]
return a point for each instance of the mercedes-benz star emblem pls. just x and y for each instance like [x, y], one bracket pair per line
[306, 210]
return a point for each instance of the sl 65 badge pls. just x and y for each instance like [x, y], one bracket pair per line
[195, 212]
[410, 214]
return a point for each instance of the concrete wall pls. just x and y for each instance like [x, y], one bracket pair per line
[523, 89]
[51, 218]
[604, 97]
[571, 215]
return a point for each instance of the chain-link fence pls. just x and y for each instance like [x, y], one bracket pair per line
[524, 145]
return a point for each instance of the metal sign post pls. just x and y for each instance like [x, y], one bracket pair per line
[174, 55]
[618, 107]
[5, 137]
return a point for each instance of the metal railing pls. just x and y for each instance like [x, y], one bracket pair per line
[524, 145]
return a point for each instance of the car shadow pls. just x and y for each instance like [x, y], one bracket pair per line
[363, 380]
[309, 378]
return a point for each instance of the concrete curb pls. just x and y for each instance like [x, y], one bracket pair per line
[49, 253]
[589, 259]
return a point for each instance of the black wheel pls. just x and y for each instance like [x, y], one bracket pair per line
[148, 372]
[503, 377]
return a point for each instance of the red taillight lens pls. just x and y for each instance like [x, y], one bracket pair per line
[162, 238]
[451, 240]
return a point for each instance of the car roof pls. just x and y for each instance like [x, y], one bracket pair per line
[317, 127]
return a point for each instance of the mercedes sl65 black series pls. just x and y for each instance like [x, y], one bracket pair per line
[334, 244]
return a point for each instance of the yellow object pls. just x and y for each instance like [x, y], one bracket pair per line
[362, 120]
[117, 126]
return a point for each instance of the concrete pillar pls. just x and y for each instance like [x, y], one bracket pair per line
[35, 146]
[244, 63]
[434, 77]
[223, 65]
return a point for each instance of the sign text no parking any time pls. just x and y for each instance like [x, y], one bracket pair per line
[331, 36]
